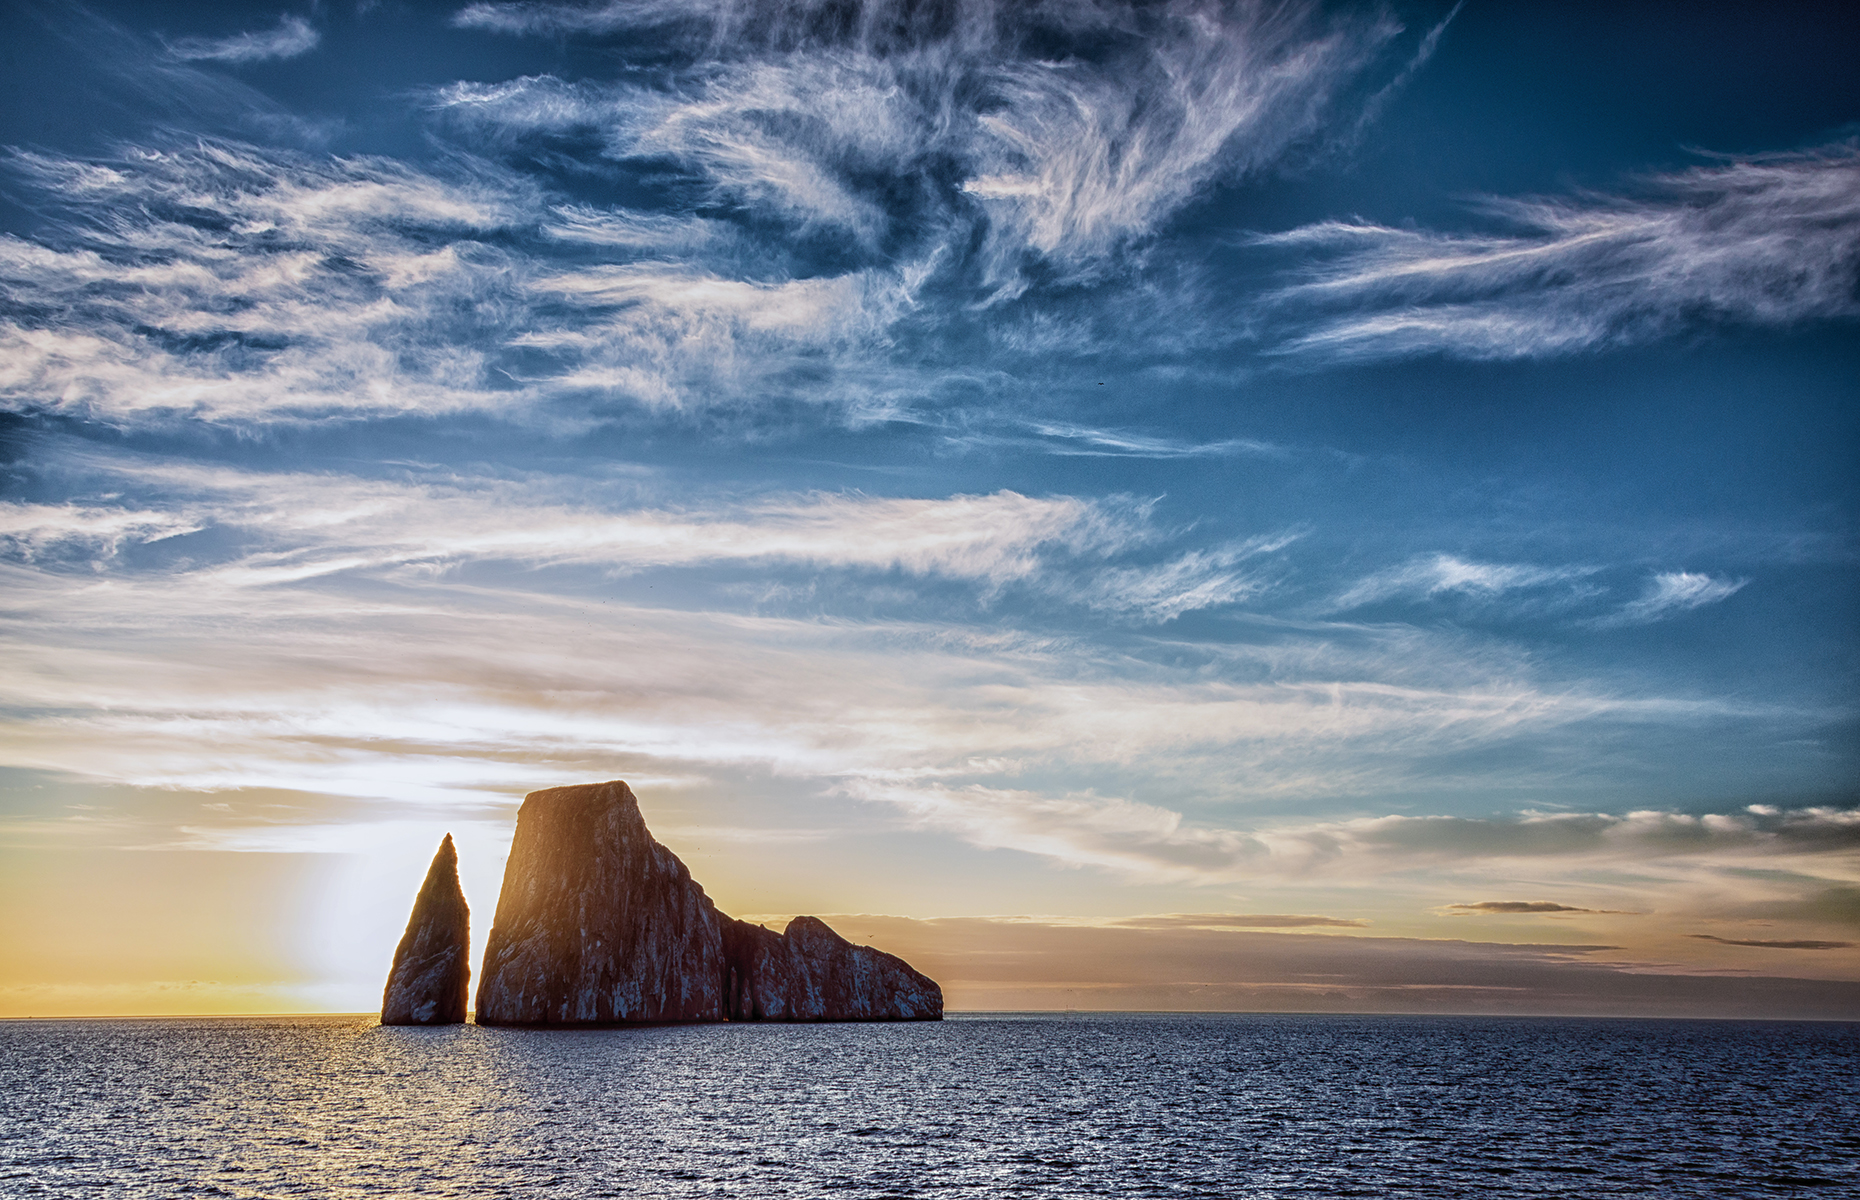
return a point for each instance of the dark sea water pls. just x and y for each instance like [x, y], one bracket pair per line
[1040, 1106]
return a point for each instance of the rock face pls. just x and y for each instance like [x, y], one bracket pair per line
[810, 973]
[432, 972]
[598, 924]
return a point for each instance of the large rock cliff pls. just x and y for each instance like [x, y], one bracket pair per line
[432, 972]
[598, 924]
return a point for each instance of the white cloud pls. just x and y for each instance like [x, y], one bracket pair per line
[293, 37]
[311, 525]
[1671, 593]
[1154, 843]
[1435, 574]
[778, 138]
[348, 636]
[1070, 549]
[658, 232]
[1067, 440]
[556, 19]
[1765, 240]
[359, 286]
[1076, 162]
[1069, 155]
[1425, 576]
[667, 335]
[1193, 581]
[94, 532]
[228, 282]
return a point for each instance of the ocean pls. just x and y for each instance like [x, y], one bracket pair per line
[980, 1105]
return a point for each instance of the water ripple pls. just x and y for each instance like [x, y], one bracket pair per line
[1001, 1106]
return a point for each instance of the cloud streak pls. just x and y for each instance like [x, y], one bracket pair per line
[297, 527]
[230, 283]
[293, 37]
[1072, 167]
[1234, 921]
[443, 596]
[1066, 155]
[1671, 593]
[1532, 588]
[1520, 906]
[223, 281]
[1039, 963]
[1196, 580]
[1769, 240]
[1801, 944]
[853, 196]
[1152, 842]
[1439, 574]
[1082, 441]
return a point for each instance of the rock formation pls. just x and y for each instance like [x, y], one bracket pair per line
[432, 972]
[810, 973]
[598, 924]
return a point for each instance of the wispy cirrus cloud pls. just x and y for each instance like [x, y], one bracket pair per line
[1082, 441]
[898, 124]
[1072, 167]
[1153, 842]
[850, 191]
[854, 186]
[1195, 580]
[1811, 830]
[557, 19]
[669, 337]
[1768, 240]
[1670, 593]
[94, 533]
[293, 36]
[224, 281]
[216, 626]
[1437, 574]
[445, 688]
[1539, 588]
[297, 527]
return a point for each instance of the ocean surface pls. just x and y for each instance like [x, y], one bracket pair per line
[983, 1105]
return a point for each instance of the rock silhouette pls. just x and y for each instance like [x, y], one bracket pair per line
[431, 976]
[599, 924]
[810, 973]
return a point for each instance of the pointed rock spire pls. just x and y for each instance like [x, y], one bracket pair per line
[428, 983]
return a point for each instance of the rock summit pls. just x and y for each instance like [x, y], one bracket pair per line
[432, 971]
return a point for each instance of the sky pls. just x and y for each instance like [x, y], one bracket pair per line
[1166, 505]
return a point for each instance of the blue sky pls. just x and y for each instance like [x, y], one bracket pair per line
[1172, 470]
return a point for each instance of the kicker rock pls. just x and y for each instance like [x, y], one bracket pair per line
[598, 924]
[431, 974]
[810, 973]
